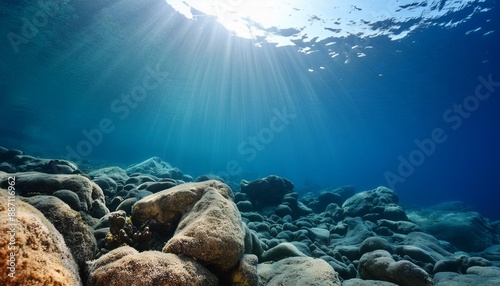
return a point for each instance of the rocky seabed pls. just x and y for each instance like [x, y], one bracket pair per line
[150, 224]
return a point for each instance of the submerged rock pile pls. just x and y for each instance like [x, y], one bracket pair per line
[150, 224]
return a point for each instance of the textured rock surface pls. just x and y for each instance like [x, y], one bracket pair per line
[206, 221]
[475, 276]
[365, 235]
[298, 271]
[12, 161]
[375, 204]
[361, 282]
[466, 230]
[42, 257]
[149, 268]
[34, 183]
[380, 265]
[246, 272]
[77, 234]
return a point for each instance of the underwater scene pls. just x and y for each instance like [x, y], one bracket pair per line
[250, 143]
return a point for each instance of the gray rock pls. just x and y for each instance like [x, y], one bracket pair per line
[70, 198]
[380, 203]
[115, 173]
[375, 243]
[468, 231]
[361, 282]
[35, 183]
[281, 251]
[484, 276]
[380, 265]
[152, 166]
[267, 191]
[298, 271]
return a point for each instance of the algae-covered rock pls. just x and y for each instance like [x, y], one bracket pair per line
[77, 235]
[206, 221]
[150, 268]
[33, 248]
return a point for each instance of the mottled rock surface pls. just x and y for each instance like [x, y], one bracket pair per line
[206, 221]
[149, 268]
[41, 256]
[298, 271]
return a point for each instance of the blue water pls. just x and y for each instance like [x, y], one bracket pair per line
[122, 81]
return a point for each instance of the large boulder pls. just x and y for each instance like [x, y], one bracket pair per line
[207, 224]
[77, 235]
[267, 191]
[298, 271]
[33, 251]
[125, 266]
[380, 265]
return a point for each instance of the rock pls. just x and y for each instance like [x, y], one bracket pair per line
[155, 187]
[428, 243]
[117, 174]
[16, 161]
[468, 231]
[253, 245]
[281, 251]
[297, 207]
[108, 185]
[209, 177]
[403, 227]
[355, 232]
[331, 196]
[35, 183]
[320, 235]
[375, 243]
[267, 191]
[283, 210]
[126, 205]
[246, 272]
[360, 282]
[491, 253]
[7, 154]
[380, 203]
[415, 253]
[148, 268]
[138, 179]
[380, 265]
[298, 271]
[41, 256]
[244, 206]
[204, 218]
[487, 276]
[77, 235]
[172, 173]
[152, 166]
[69, 197]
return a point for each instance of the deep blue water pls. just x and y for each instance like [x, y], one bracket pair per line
[121, 81]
